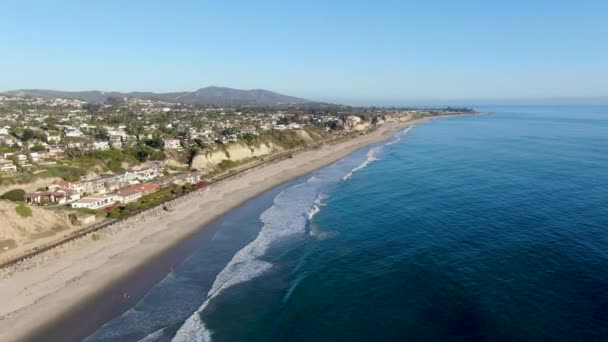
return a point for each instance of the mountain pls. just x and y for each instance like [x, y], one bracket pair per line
[219, 96]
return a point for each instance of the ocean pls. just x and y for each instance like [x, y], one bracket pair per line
[468, 228]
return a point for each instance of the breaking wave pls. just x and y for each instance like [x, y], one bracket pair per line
[372, 154]
[291, 214]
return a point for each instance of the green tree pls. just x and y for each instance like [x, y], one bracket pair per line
[37, 148]
[17, 195]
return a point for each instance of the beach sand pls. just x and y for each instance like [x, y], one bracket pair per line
[61, 280]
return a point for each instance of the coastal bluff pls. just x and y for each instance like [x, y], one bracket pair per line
[235, 152]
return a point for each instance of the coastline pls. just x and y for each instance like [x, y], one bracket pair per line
[36, 299]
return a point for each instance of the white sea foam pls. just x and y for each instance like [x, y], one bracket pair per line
[293, 209]
[317, 205]
[398, 136]
[372, 154]
[371, 157]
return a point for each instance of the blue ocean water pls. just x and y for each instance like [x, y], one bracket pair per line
[488, 227]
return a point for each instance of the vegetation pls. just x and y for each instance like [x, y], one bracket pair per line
[67, 173]
[17, 195]
[23, 211]
[227, 164]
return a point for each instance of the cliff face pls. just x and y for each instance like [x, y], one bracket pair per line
[20, 233]
[235, 152]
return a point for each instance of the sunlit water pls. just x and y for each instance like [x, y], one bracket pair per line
[467, 228]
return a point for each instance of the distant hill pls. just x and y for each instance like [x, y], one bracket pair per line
[219, 96]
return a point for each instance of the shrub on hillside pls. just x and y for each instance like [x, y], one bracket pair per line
[23, 211]
[17, 195]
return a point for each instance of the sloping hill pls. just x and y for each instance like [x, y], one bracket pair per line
[220, 96]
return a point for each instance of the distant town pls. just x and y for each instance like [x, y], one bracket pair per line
[104, 160]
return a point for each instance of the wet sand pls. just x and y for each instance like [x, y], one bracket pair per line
[68, 293]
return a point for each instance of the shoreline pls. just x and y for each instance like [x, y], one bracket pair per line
[46, 300]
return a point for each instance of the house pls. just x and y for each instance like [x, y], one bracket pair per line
[111, 182]
[101, 145]
[352, 121]
[71, 132]
[64, 185]
[7, 166]
[147, 174]
[187, 178]
[144, 189]
[72, 194]
[163, 181]
[95, 202]
[36, 156]
[94, 186]
[127, 177]
[172, 143]
[52, 138]
[46, 197]
[128, 196]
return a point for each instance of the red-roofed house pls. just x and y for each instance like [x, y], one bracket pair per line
[144, 189]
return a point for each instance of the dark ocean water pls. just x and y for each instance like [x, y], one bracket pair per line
[491, 227]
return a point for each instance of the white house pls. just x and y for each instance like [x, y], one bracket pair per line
[7, 166]
[36, 156]
[52, 138]
[147, 174]
[128, 196]
[95, 202]
[72, 132]
[101, 145]
[172, 143]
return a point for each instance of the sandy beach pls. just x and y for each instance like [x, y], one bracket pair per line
[41, 290]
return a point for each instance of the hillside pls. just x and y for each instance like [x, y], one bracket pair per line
[219, 96]
[18, 233]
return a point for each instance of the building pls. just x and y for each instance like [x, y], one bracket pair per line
[94, 186]
[51, 138]
[71, 132]
[7, 166]
[101, 145]
[46, 197]
[128, 196]
[95, 202]
[187, 178]
[147, 174]
[144, 189]
[76, 186]
[172, 143]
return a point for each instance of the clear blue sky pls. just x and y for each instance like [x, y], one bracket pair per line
[351, 51]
